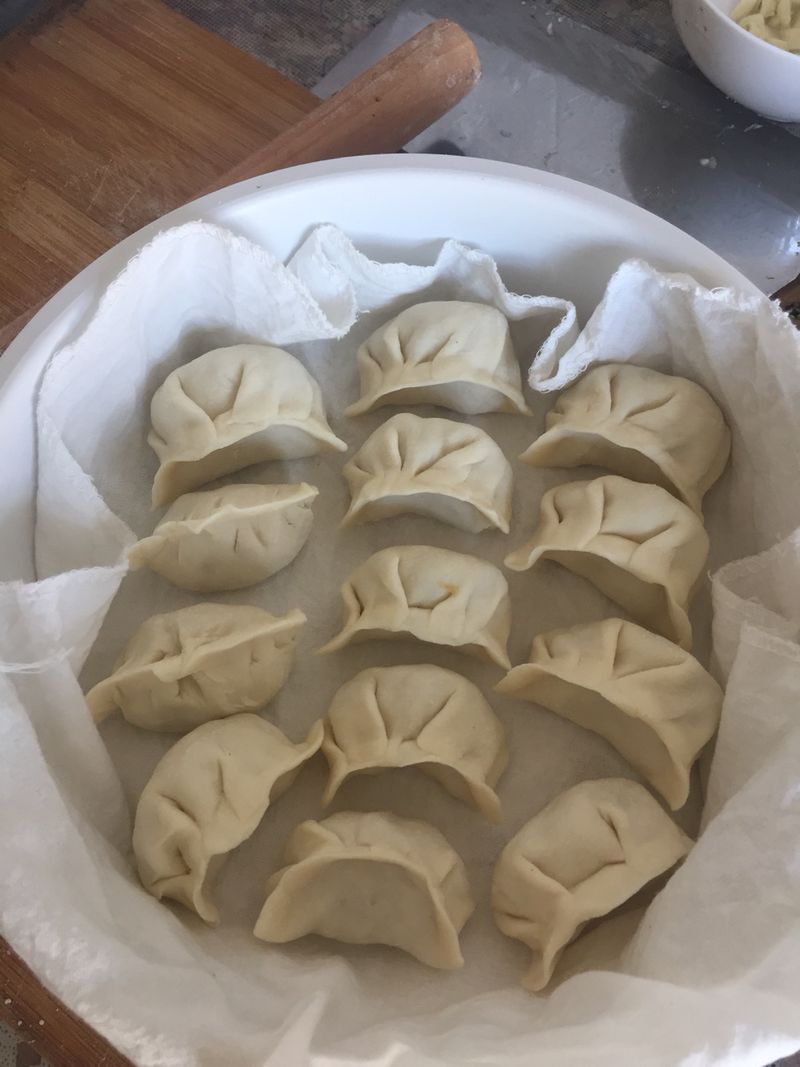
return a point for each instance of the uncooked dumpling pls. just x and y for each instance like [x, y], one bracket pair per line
[639, 545]
[422, 716]
[199, 663]
[228, 538]
[446, 470]
[371, 878]
[582, 856]
[637, 422]
[652, 700]
[774, 21]
[230, 408]
[450, 353]
[432, 594]
[207, 795]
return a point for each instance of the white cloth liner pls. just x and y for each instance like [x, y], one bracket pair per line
[711, 975]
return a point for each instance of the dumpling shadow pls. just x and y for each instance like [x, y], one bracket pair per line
[406, 651]
[601, 943]
[240, 888]
[406, 791]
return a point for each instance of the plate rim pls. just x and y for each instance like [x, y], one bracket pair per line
[199, 210]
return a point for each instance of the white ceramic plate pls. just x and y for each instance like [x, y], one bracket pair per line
[548, 234]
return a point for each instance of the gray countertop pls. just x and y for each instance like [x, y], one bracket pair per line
[305, 38]
[602, 92]
[573, 99]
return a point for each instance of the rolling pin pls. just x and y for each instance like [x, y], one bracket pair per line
[379, 111]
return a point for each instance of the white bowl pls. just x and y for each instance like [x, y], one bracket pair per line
[751, 71]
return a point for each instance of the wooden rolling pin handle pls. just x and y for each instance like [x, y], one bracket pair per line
[789, 299]
[379, 111]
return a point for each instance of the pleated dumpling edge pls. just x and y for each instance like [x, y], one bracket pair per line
[370, 878]
[183, 668]
[450, 353]
[582, 856]
[638, 544]
[641, 424]
[207, 795]
[441, 469]
[649, 698]
[229, 538]
[432, 594]
[230, 408]
[447, 729]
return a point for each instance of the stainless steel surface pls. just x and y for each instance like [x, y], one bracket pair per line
[570, 99]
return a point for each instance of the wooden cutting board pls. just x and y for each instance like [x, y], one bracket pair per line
[112, 113]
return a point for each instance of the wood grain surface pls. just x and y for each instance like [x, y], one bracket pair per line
[44, 1022]
[112, 114]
